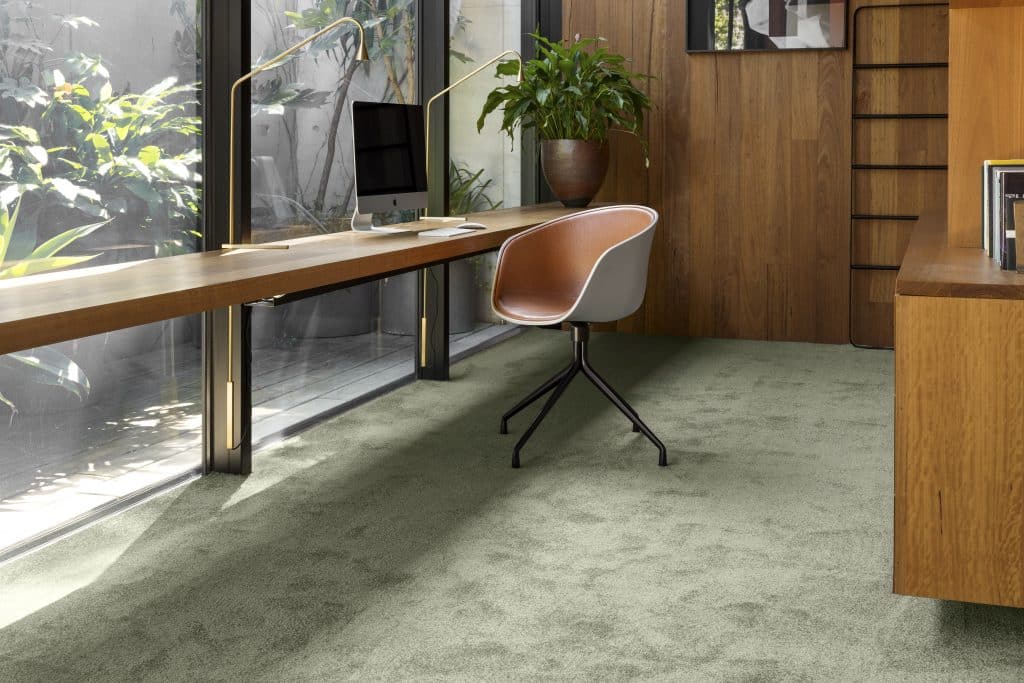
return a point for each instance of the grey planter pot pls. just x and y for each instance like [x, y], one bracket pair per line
[399, 304]
[343, 313]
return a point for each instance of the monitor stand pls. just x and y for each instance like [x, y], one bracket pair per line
[363, 222]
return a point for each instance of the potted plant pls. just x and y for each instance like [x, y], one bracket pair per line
[573, 96]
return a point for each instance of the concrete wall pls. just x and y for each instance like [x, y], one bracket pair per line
[494, 26]
[135, 39]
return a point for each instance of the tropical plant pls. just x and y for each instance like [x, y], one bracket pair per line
[390, 40]
[73, 152]
[42, 365]
[467, 191]
[578, 91]
[76, 149]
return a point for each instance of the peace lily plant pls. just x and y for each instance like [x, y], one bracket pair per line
[574, 96]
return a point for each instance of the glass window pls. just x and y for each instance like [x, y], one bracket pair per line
[99, 164]
[302, 163]
[485, 169]
[314, 356]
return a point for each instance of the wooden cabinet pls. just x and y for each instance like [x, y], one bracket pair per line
[959, 432]
[900, 96]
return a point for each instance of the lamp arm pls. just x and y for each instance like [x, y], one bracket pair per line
[361, 55]
[474, 72]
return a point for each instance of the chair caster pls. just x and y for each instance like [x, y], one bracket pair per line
[662, 458]
[515, 460]
[503, 429]
[636, 430]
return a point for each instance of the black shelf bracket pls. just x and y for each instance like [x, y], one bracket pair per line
[904, 65]
[900, 167]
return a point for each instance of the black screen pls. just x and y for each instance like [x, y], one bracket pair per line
[389, 148]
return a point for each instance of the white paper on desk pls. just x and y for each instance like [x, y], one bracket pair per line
[446, 232]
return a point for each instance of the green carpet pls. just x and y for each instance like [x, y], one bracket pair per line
[395, 542]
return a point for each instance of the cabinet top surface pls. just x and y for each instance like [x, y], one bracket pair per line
[933, 268]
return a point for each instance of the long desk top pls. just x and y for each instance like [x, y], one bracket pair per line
[51, 307]
[933, 268]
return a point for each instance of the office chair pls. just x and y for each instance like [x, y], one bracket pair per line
[583, 268]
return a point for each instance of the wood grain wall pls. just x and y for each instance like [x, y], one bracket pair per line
[750, 169]
[986, 103]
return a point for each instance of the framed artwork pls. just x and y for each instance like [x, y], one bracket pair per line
[738, 25]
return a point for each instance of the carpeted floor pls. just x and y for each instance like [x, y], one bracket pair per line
[395, 542]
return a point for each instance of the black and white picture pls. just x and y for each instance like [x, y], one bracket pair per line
[725, 25]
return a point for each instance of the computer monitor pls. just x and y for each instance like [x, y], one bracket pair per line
[389, 141]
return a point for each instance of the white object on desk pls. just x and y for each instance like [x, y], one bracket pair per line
[446, 232]
[387, 230]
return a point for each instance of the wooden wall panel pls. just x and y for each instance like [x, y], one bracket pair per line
[880, 242]
[894, 193]
[900, 35]
[899, 141]
[750, 157]
[986, 105]
[903, 91]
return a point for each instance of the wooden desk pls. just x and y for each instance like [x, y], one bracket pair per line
[959, 427]
[52, 307]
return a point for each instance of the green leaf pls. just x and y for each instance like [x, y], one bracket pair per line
[149, 155]
[8, 221]
[98, 141]
[54, 245]
[26, 133]
[43, 265]
[38, 153]
[509, 68]
[83, 113]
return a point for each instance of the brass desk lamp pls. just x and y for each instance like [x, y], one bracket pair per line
[460, 219]
[362, 56]
[442, 93]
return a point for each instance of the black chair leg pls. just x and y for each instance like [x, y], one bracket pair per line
[534, 395]
[559, 390]
[559, 383]
[627, 410]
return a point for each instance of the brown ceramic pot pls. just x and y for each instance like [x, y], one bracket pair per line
[574, 169]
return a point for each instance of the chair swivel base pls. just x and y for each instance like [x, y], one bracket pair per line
[557, 386]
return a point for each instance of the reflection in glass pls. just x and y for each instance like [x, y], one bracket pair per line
[99, 164]
[485, 169]
[313, 356]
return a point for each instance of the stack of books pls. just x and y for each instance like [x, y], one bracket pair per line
[1002, 185]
